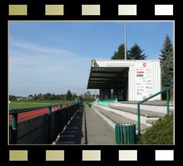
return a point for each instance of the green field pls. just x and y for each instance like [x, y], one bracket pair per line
[24, 104]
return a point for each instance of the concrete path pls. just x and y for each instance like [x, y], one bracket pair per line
[87, 128]
[98, 131]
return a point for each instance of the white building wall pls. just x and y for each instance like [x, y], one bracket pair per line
[131, 83]
[132, 79]
[132, 75]
[157, 79]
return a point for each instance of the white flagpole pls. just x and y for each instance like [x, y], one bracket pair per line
[125, 41]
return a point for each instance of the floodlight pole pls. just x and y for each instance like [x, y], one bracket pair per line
[125, 41]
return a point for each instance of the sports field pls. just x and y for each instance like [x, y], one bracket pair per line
[24, 104]
[30, 114]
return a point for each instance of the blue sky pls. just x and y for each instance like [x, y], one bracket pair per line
[55, 56]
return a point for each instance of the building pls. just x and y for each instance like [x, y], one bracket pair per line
[126, 80]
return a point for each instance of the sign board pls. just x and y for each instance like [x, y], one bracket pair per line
[144, 79]
[119, 64]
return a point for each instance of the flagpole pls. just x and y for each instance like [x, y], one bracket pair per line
[125, 41]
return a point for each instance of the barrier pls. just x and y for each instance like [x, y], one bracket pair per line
[167, 100]
[105, 102]
[42, 129]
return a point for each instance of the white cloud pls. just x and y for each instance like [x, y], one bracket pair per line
[40, 49]
[38, 69]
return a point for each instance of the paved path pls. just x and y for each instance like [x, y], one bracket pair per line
[87, 128]
[98, 131]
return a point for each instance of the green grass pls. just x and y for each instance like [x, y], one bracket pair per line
[24, 104]
[160, 133]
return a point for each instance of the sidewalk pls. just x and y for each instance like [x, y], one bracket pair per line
[98, 131]
[87, 128]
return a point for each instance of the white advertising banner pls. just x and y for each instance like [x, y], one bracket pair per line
[144, 79]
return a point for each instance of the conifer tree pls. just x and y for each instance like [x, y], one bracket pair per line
[166, 60]
[167, 48]
[120, 53]
[136, 53]
[69, 95]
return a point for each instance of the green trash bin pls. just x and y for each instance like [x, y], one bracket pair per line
[125, 133]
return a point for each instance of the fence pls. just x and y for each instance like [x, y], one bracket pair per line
[42, 129]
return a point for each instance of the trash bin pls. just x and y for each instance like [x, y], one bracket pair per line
[125, 133]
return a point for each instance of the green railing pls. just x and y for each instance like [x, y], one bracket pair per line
[42, 128]
[167, 99]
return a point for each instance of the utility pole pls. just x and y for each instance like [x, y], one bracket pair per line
[125, 41]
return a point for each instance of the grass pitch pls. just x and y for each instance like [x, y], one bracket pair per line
[24, 104]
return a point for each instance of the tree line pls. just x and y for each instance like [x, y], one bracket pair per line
[87, 96]
[165, 57]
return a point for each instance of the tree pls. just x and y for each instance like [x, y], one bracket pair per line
[62, 97]
[135, 52]
[69, 95]
[53, 97]
[87, 95]
[167, 48]
[40, 96]
[47, 96]
[35, 97]
[74, 96]
[30, 97]
[81, 97]
[120, 54]
[12, 98]
[166, 60]
[167, 70]
[57, 97]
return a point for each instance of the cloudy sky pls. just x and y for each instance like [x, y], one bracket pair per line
[56, 56]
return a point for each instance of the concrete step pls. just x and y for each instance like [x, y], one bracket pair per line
[133, 115]
[153, 106]
[151, 121]
[113, 118]
[147, 118]
[146, 113]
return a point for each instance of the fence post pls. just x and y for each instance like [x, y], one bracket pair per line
[167, 100]
[49, 113]
[138, 119]
[14, 118]
[60, 117]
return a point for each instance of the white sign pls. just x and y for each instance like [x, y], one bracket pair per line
[119, 64]
[144, 80]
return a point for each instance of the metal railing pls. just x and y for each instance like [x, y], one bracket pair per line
[42, 129]
[167, 99]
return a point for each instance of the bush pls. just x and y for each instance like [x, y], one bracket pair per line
[160, 133]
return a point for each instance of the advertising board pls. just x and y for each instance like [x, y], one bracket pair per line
[144, 79]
